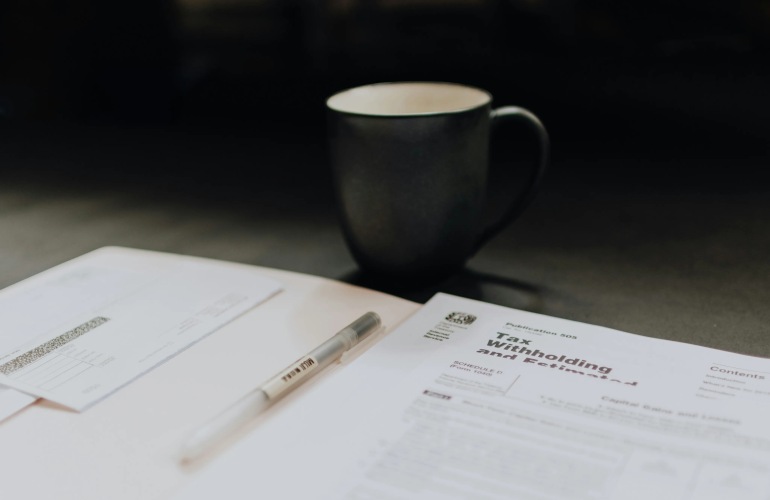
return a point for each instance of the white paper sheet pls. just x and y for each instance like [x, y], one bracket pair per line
[472, 400]
[12, 401]
[77, 332]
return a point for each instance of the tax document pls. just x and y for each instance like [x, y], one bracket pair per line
[472, 400]
[77, 332]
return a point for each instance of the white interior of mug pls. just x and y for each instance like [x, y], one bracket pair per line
[408, 98]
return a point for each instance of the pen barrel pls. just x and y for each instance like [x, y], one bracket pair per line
[256, 401]
[245, 409]
[318, 359]
[322, 356]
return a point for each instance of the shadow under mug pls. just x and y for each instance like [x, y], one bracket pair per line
[410, 167]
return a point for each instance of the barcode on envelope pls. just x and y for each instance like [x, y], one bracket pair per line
[45, 348]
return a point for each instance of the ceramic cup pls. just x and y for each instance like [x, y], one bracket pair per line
[410, 163]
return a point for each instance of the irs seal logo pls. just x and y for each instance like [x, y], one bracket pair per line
[461, 318]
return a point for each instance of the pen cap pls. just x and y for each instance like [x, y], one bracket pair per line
[365, 325]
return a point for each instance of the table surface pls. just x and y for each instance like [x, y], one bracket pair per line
[673, 245]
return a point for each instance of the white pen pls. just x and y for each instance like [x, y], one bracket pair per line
[253, 403]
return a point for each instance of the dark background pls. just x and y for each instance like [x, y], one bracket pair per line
[661, 78]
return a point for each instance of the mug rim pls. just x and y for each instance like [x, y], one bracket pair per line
[460, 109]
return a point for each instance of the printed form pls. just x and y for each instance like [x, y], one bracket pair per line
[77, 332]
[472, 400]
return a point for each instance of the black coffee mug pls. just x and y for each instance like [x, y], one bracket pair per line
[409, 163]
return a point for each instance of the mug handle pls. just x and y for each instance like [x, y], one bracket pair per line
[518, 205]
